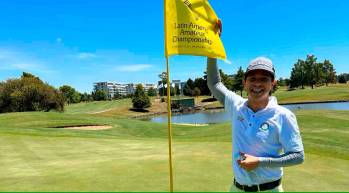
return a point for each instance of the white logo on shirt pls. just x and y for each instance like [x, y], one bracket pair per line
[264, 127]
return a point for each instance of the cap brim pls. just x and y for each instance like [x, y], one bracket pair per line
[264, 68]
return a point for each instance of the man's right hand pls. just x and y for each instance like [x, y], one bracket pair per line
[219, 27]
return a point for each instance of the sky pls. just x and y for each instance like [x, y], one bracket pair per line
[79, 42]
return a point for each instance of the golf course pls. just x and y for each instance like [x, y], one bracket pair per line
[37, 152]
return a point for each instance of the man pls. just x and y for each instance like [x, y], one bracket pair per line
[265, 136]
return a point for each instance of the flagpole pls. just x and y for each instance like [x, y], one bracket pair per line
[169, 126]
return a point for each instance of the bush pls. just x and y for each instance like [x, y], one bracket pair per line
[29, 93]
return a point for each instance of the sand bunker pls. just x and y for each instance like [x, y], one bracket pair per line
[87, 127]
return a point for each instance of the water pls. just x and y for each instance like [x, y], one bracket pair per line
[218, 116]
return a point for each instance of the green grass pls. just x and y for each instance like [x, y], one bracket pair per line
[96, 106]
[323, 93]
[132, 156]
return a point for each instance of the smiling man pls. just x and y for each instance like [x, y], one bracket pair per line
[265, 135]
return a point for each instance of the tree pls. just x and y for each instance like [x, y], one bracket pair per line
[346, 75]
[140, 100]
[319, 75]
[287, 81]
[188, 89]
[310, 74]
[205, 78]
[99, 95]
[117, 96]
[226, 80]
[196, 92]
[341, 79]
[70, 94]
[152, 92]
[86, 97]
[163, 91]
[298, 75]
[329, 72]
[29, 93]
[238, 84]
[201, 84]
[177, 91]
[281, 82]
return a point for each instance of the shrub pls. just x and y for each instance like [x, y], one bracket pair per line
[140, 100]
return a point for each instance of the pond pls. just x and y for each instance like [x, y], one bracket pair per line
[218, 116]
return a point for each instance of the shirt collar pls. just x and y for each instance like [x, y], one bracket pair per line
[271, 103]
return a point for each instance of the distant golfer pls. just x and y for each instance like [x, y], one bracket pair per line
[265, 135]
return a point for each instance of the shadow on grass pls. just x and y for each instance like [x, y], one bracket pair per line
[209, 100]
[139, 110]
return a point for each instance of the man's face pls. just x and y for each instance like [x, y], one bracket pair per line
[258, 84]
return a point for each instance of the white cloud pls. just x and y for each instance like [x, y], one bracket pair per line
[23, 66]
[132, 67]
[85, 55]
[11, 59]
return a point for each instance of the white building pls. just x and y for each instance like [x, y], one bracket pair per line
[174, 84]
[113, 88]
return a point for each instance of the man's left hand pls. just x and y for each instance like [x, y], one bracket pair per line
[249, 162]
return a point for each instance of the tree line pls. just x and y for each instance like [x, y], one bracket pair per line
[30, 93]
[308, 72]
[199, 85]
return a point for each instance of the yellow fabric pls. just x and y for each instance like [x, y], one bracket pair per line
[190, 29]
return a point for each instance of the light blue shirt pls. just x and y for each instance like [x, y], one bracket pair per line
[266, 133]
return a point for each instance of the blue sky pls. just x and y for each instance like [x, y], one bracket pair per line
[79, 42]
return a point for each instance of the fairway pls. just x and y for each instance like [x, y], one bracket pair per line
[132, 155]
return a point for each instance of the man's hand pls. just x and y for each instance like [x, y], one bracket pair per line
[248, 162]
[219, 27]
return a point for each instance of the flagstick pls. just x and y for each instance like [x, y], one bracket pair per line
[169, 126]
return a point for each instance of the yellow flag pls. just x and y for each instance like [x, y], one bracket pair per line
[191, 29]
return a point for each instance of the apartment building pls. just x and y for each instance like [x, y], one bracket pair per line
[174, 83]
[113, 88]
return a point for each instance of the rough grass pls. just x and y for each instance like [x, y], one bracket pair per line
[332, 92]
